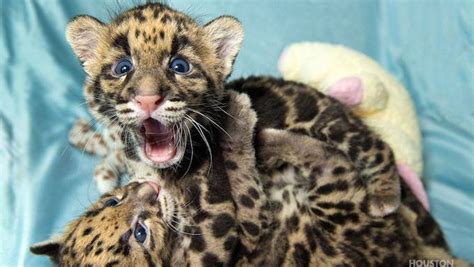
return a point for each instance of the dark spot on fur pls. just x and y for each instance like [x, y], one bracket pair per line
[98, 251]
[253, 193]
[112, 263]
[156, 13]
[246, 201]
[251, 228]
[222, 225]
[306, 107]
[317, 212]
[139, 16]
[211, 259]
[339, 170]
[93, 213]
[230, 243]
[231, 165]
[323, 242]
[332, 187]
[152, 242]
[357, 238]
[91, 244]
[312, 242]
[165, 18]
[197, 243]
[292, 223]
[218, 183]
[339, 218]
[301, 255]
[87, 231]
[286, 196]
[149, 259]
[378, 160]
[125, 237]
[327, 226]
[121, 41]
[200, 216]
[298, 131]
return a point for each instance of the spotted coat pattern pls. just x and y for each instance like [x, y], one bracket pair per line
[154, 33]
[313, 212]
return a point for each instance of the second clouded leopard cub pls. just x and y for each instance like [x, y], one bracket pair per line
[312, 211]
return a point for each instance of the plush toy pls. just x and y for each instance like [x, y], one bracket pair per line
[373, 94]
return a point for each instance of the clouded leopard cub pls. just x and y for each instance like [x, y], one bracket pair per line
[158, 77]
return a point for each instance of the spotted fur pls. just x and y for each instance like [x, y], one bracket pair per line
[107, 145]
[103, 236]
[318, 212]
[195, 111]
[194, 105]
[315, 213]
[207, 222]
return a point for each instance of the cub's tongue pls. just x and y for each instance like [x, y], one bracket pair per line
[159, 144]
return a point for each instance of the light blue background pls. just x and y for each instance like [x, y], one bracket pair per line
[45, 183]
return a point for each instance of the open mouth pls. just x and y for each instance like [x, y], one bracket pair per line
[159, 144]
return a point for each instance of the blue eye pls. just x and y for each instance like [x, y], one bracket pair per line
[111, 202]
[140, 232]
[122, 67]
[180, 66]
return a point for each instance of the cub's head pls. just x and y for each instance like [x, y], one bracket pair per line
[129, 227]
[158, 75]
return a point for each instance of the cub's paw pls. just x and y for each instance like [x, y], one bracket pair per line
[277, 147]
[84, 137]
[271, 145]
[241, 117]
[78, 133]
[382, 205]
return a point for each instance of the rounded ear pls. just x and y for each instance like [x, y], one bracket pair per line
[84, 34]
[51, 248]
[226, 35]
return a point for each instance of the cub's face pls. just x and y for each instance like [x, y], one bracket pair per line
[129, 227]
[158, 75]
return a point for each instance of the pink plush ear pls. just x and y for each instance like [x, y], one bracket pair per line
[347, 90]
[414, 182]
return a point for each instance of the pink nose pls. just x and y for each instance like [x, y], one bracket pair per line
[148, 103]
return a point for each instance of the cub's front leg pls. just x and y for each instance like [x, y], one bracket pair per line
[225, 203]
[240, 165]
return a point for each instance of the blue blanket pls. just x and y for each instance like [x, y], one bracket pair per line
[45, 183]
